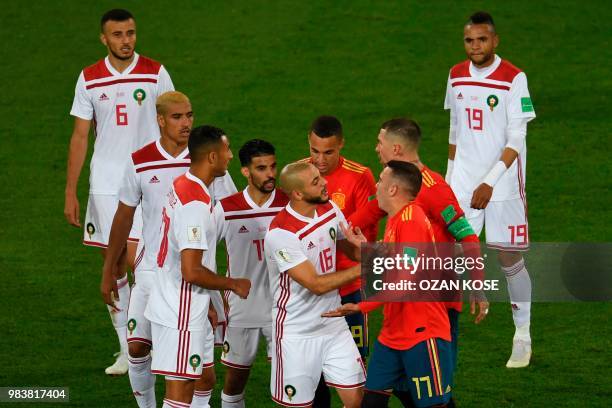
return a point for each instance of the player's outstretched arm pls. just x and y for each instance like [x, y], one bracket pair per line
[195, 273]
[119, 234]
[76, 157]
[306, 275]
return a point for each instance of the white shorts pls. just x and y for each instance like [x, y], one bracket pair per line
[182, 354]
[101, 210]
[138, 326]
[240, 345]
[505, 223]
[297, 365]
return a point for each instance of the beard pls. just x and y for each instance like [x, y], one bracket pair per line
[263, 187]
[120, 57]
[316, 199]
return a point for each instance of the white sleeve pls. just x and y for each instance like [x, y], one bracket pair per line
[284, 248]
[82, 107]
[448, 99]
[220, 223]
[164, 83]
[190, 225]
[519, 101]
[341, 220]
[130, 192]
[223, 187]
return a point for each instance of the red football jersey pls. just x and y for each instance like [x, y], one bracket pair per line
[350, 186]
[407, 323]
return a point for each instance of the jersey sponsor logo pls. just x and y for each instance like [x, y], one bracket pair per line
[310, 245]
[290, 391]
[243, 230]
[140, 95]
[131, 325]
[526, 104]
[194, 361]
[154, 180]
[283, 255]
[460, 96]
[339, 199]
[90, 229]
[194, 233]
[492, 101]
[103, 97]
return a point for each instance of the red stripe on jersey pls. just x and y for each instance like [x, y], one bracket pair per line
[148, 153]
[146, 66]
[317, 225]
[287, 222]
[161, 166]
[280, 401]
[481, 84]
[323, 208]
[188, 190]
[233, 365]
[235, 202]
[505, 72]
[252, 215]
[460, 70]
[280, 319]
[94, 243]
[120, 81]
[139, 340]
[96, 71]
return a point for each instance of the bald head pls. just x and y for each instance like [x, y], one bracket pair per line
[292, 176]
[166, 99]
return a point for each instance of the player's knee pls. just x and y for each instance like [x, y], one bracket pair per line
[207, 380]
[375, 400]
[137, 349]
[235, 381]
[509, 258]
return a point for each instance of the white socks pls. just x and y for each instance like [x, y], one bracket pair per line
[119, 318]
[168, 403]
[232, 401]
[142, 381]
[200, 399]
[519, 288]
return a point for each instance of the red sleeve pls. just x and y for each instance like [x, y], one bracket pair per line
[367, 215]
[367, 307]
[365, 190]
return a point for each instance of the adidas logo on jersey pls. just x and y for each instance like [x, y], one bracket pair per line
[103, 97]
[459, 96]
[154, 180]
[311, 245]
[243, 229]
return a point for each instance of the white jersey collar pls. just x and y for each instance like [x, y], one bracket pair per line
[485, 72]
[126, 71]
[300, 216]
[197, 180]
[168, 156]
[252, 203]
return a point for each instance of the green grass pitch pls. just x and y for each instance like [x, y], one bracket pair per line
[263, 69]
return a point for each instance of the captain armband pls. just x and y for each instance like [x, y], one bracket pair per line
[461, 228]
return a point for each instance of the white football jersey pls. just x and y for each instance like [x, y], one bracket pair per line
[243, 225]
[148, 178]
[291, 240]
[122, 107]
[186, 224]
[483, 102]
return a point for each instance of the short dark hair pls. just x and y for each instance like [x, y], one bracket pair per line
[115, 15]
[254, 148]
[327, 126]
[481, 17]
[407, 174]
[202, 140]
[406, 129]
